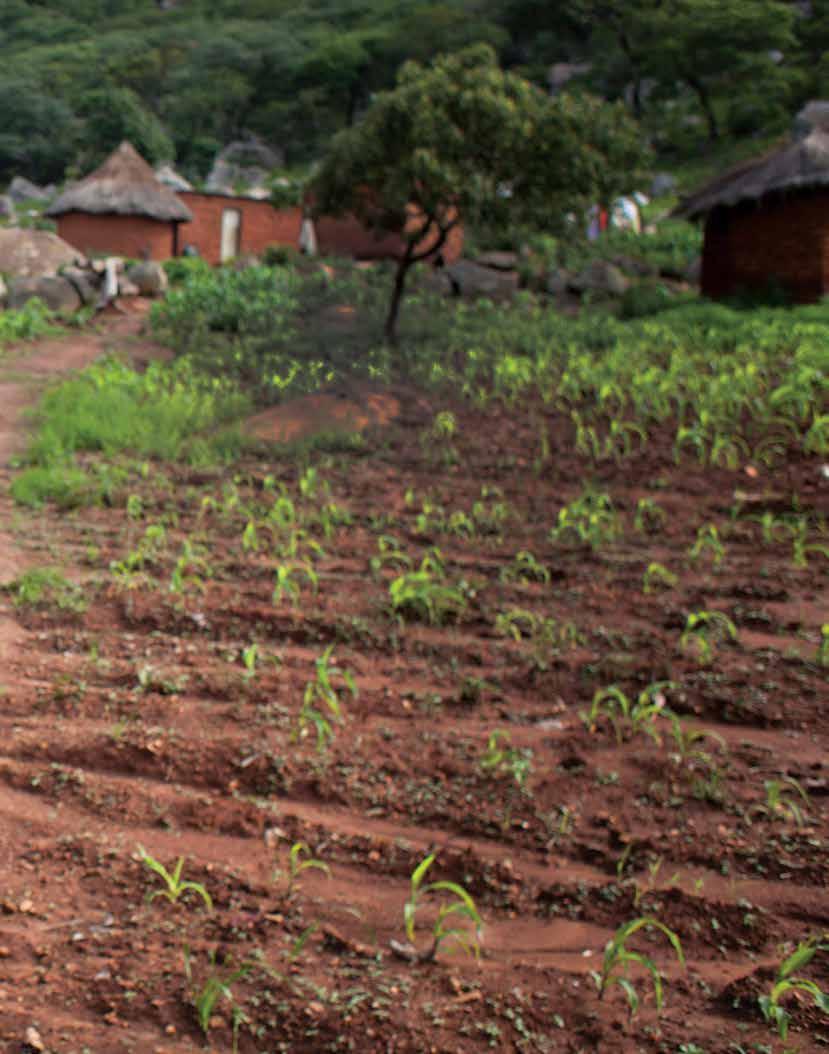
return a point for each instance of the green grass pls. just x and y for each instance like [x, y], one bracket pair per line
[168, 412]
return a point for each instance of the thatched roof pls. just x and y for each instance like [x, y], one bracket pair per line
[125, 185]
[799, 165]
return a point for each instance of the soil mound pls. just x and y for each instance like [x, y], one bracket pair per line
[325, 413]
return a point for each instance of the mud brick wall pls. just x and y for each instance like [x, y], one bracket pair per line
[346, 236]
[261, 224]
[113, 235]
[783, 239]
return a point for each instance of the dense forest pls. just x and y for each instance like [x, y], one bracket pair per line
[180, 79]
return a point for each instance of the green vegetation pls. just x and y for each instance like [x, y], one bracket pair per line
[166, 412]
[786, 983]
[174, 887]
[46, 587]
[409, 157]
[460, 907]
[618, 958]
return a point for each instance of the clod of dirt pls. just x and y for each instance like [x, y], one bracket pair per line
[323, 414]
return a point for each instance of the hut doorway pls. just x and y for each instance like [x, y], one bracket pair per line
[231, 234]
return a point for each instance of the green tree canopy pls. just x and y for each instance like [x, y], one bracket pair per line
[462, 136]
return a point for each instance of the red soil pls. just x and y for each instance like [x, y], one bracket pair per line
[133, 723]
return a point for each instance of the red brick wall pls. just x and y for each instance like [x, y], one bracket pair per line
[781, 239]
[262, 224]
[114, 235]
[346, 236]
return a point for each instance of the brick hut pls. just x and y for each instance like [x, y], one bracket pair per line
[767, 222]
[121, 209]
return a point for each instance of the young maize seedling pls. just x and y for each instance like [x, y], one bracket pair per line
[423, 595]
[687, 741]
[191, 568]
[782, 801]
[296, 865]
[649, 517]
[703, 630]
[708, 541]
[288, 577]
[816, 440]
[218, 984]
[389, 554]
[490, 512]
[250, 656]
[823, 647]
[618, 957]
[626, 715]
[657, 576]
[299, 543]
[501, 758]
[525, 569]
[322, 700]
[618, 443]
[439, 436]
[174, 886]
[801, 549]
[589, 520]
[773, 1012]
[460, 907]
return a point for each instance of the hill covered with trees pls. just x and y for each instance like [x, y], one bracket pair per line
[181, 79]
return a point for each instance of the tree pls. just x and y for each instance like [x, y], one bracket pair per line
[715, 48]
[461, 136]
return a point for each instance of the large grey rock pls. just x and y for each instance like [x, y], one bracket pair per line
[22, 189]
[57, 293]
[167, 175]
[245, 163]
[86, 283]
[498, 260]
[600, 277]
[149, 278]
[470, 279]
[663, 183]
[7, 209]
[633, 265]
[815, 114]
[558, 281]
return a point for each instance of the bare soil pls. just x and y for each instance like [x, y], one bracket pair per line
[136, 723]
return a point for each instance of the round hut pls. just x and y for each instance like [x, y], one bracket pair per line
[767, 222]
[121, 209]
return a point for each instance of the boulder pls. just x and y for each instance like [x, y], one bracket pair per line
[22, 189]
[470, 279]
[558, 281]
[85, 283]
[149, 278]
[498, 261]
[600, 276]
[633, 265]
[246, 163]
[7, 209]
[167, 175]
[56, 292]
[30, 253]
[663, 183]
[815, 114]
[127, 288]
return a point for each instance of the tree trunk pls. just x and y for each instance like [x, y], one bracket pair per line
[705, 102]
[403, 265]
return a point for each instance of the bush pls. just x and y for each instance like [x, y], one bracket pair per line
[645, 298]
[67, 486]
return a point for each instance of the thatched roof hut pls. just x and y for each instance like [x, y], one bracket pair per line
[767, 222]
[124, 185]
[121, 209]
[799, 165]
